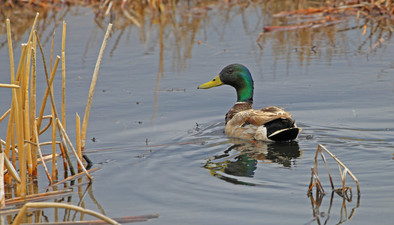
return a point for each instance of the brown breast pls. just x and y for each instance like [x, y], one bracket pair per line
[238, 107]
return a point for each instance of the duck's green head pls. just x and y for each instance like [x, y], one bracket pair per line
[235, 75]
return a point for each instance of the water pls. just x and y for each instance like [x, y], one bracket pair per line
[166, 151]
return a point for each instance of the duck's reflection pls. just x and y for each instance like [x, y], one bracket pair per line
[240, 159]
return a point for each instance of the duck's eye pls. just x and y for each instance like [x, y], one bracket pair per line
[214, 80]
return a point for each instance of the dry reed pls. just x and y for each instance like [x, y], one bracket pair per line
[24, 125]
[19, 218]
[93, 85]
[345, 192]
[343, 170]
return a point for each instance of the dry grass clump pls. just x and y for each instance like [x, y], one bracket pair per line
[345, 192]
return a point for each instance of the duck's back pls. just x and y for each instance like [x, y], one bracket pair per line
[268, 124]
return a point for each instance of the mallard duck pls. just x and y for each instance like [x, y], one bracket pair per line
[268, 124]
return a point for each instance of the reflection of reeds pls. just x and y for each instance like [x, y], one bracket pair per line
[295, 26]
[183, 20]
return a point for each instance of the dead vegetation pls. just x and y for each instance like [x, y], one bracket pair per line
[316, 191]
[304, 24]
[20, 150]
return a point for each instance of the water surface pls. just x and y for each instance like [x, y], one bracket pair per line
[168, 152]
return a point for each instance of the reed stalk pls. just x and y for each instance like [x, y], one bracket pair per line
[13, 140]
[51, 56]
[64, 75]
[48, 125]
[33, 100]
[39, 197]
[10, 135]
[10, 50]
[54, 158]
[11, 169]
[93, 85]
[22, 214]
[20, 69]
[26, 108]
[343, 165]
[78, 139]
[7, 86]
[342, 174]
[71, 178]
[39, 151]
[2, 193]
[49, 90]
[60, 126]
[24, 128]
[9, 110]
[17, 99]
[63, 145]
[33, 27]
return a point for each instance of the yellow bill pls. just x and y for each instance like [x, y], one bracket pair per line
[213, 83]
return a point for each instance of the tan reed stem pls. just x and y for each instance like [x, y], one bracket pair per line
[39, 151]
[8, 86]
[10, 50]
[54, 158]
[10, 131]
[2, 193]
[21, 65]
[93, 85]
[65, 156]
[33, 96]
[11, 169]
[39, 197]
[73, 177]
[64, 75]
[13, 138]
[51, 58]
[47, 91]
[48, 125]
[340, 163]
[5, 114]
[78, 137]
[26, 108]
[60, 126]
[33, 27]
[17, 98]
[49, 83]
[21, 214]
[64, 145]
